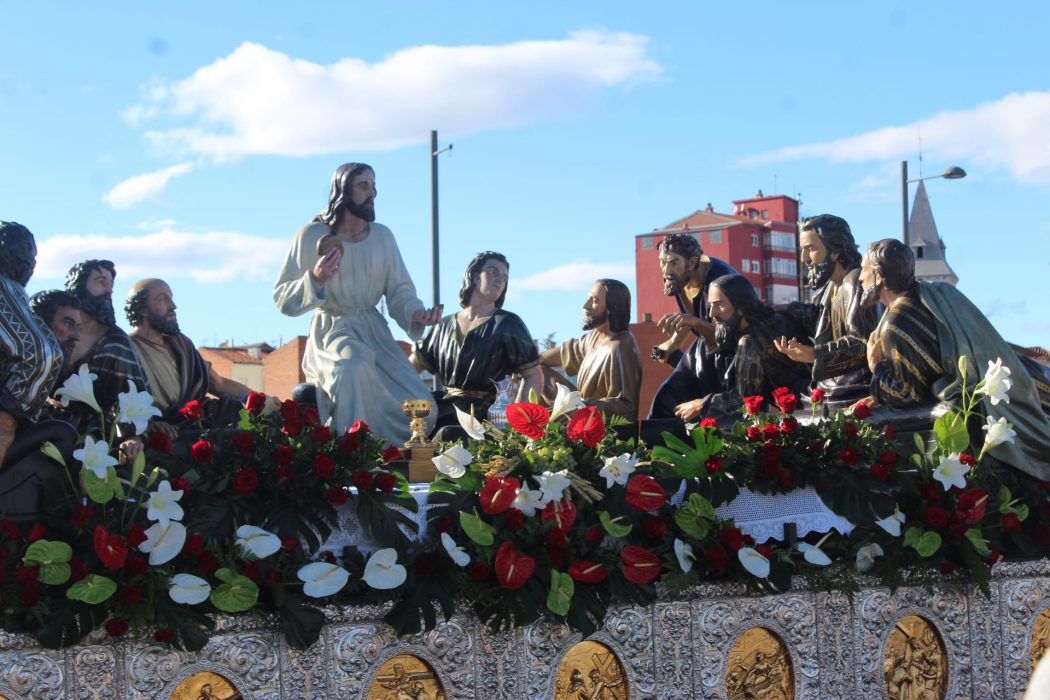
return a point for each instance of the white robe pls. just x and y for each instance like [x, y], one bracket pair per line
[351, 356]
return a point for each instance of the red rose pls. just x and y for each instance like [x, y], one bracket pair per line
[362, 480]
[849, 456]
[284, 473]
[9, 529]
[789, 425]
[967, 459]
[644, 493]
[949, 568]
[816, 446]
[889, 432]
[587, 572]
[817, 395]
[556, 555]
[849, 430]
[714, 464]
[81, 516]
[786, 401]
[935, 517]
[1044, 510]
[246, 481]
[587, 426]
[784, 479]
[770, 431]
[290, 409]
[764, 551]
[158, 441]
[513, 568]
[37, 532]
[594, 535]
[639, 565]
[498, 493]
[138, 565]
[754, 433]
[385, 482]
[292, 427]
[445, 523]
[324, 466]
[562, 513]
[709, 423]
[716, 557]
[111, 549]
[255, 403]
[309, 415]
[320, 433]
[390, 454]
[1011, 523]
[116, 627]
[748, 540]
[528, 419]
[861, 411]
[348, 443]
[163, 635]
[283, 455]
[27, 575]
[888, 457]
[272, 575]
[931, 491]
[130, 593]
[194, 544]
[972, 505]
[244, 442]
[771, 450]
[731, 537]
[77, 568]
[515, 519]
[880, 471]
[192, 411]
[201, 451]
[289, 544]
[29, 597]
[252, 570]
[754, 404]
[770, 467]
[479, 571]
[654, 527]
[993, 557]
[337, 496]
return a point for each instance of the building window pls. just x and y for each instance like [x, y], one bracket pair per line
[754, 239]
[780, 240]
[714, 237]
[918, 252]
[765, 213]
[781, 267]
[745, 265]
[752, 213]
[648, 318]
[756, 266]
[647, 242]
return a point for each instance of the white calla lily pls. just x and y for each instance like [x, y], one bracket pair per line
[382, 570]
[188, 589]
[996, 383]
[458, 554]
[756, 564]
[257, 542]
[618, 470]
[79, 387]
[684, 552]
[999, 432]
[951, 472]
[471, 425]
[453, 461]
[814, 554]
[528, 501]
[136, 407]
[321, 579]
[163, 542]
[867, 555]
[95, 456]
[892, 523]
[566, 400]
[552, 485]
[162, 505]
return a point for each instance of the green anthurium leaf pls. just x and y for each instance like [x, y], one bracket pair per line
[47, 552]
[694, 515]
[560, 597]
[92, 589]
[54, 574]
[238, 594]
[614, 528]
[477, 529]
[1022, 511]
[950, 430]
[928, 544]
[911, 536]
[98, 490]
[980, 544]
[1004, 500]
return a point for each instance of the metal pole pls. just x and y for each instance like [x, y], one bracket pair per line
[434, 213]
[904, 202]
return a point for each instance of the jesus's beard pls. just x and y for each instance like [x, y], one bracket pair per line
[727, 335]
[366, 211]
[99, 308]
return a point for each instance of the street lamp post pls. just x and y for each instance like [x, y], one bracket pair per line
[434, 153]
[952, 173]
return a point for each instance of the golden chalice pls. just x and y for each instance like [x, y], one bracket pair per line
[417, 410]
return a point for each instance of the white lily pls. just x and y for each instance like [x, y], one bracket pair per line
[458, 554]
[814, 554]
[892, 524]
[257, 542]
[999, 431]
[453, 461]
[552, 485]
[528, 501]
[136, 407]
[996, 382]
[188, 589]
[866, 556]
[78, 387]
[162, 505]
[566, 401]
[470, 424]
[684, 552]
[382, 570]
[321, 579]
[163, 542]
[756, 564]
[951, 472]
[95, 456]
[618, 469]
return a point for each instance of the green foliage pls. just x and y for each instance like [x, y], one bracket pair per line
[476, 528]
[560, 597]
[236, 593]
[695, 516]
[92, 589]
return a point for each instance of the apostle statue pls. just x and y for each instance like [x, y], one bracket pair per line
[836, 325]
[351, 356]
[605, 361]
[60, 311]
[479, 345]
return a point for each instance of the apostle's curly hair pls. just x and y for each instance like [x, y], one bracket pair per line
[684, 244]
[77, 277]
[135, 306]
[17, 252]
[474, 268]
[45, 304]
[837, 236]
[894, 262]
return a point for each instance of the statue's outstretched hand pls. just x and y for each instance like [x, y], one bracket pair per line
[675, 322]
[428, 317]
[689, 410]
[795, 350]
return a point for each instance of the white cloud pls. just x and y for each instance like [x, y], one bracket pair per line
[260, 101]
[209, 257]
[1009, 133]
[573, 277]
[139, 187]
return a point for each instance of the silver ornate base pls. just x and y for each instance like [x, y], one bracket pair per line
[675, 649]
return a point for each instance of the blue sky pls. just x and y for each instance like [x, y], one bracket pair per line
[191, 140]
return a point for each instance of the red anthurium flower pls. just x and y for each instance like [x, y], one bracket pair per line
[111, 549]
[639, 565]
[528, 419]
[587, 426]
[562, 513]
[498, 493]
[512, 567]
[587, 572]
[754, 404]
[644, 493]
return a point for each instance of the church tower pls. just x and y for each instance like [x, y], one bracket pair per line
[926, 242]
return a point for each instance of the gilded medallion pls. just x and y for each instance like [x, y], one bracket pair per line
[205, 686]
[759, 666]
[915, 662]
[1040, 636]
[406, 677]
[590, 671]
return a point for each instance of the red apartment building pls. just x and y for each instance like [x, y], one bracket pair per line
[758, 239]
